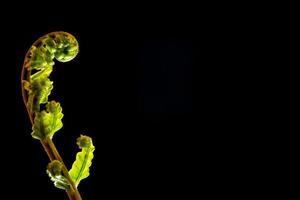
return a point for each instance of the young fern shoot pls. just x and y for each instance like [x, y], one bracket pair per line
[36, 88]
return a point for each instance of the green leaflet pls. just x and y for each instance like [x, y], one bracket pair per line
[41, 57]
[44, 73]
[46, 123]
[80, 168]
[39, 89]
[54, 170]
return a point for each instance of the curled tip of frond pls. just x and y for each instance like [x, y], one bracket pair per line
[84, 141]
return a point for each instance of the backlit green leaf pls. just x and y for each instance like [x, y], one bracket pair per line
[46, 123]
[39, 88]
[80, 168]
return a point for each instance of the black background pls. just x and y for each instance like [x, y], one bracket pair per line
[129, 88]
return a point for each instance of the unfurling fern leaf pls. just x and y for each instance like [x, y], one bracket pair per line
[54, 170]
[46, 116]
[80, 168]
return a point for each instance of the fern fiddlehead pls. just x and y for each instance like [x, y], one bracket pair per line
[36, 88]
